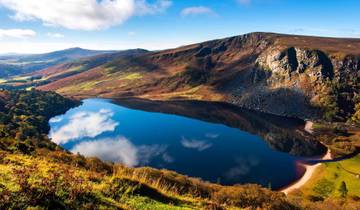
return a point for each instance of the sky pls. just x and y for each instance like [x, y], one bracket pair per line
[38, 26]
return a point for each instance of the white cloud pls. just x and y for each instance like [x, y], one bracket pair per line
[84, 124]
[144, 8]
[121, 150]
[16, 33]
[200, 10]
[195, 144]
[55, 35]
[82, 14]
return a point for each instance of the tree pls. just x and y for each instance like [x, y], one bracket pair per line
[328, 99]
[356, 116]
[324, 188]
[343, 189]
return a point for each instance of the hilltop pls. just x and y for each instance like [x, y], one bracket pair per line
[14, 64]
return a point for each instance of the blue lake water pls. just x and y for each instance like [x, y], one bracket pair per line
[211, 151]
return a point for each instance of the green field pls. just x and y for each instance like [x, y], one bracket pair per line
[330, 176]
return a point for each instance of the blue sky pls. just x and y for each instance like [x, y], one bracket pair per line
[35, 26]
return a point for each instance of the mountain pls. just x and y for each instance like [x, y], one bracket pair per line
[67, 69]
[288, 75]
[11, 65]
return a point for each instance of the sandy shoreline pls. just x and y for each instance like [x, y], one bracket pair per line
[309, 127]
[309, 171]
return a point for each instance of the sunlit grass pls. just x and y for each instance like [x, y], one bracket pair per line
[132, 76]
[337, 172]
[14, 168]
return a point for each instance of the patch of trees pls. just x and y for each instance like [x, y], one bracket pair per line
[341, 100]
[24, 117]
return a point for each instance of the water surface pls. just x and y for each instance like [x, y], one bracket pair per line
[220, 145]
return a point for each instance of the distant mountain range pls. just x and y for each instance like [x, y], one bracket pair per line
[15, 64]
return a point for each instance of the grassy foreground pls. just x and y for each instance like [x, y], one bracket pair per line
[58, 180]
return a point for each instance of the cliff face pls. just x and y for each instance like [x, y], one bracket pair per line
[287, 82]
[305, 83]
[295, 80]
[305, 77]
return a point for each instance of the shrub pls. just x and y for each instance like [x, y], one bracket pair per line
[324, 188]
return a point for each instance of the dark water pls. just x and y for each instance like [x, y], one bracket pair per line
[214, 142]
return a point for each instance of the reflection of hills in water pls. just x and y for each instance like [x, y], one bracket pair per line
[282, 134]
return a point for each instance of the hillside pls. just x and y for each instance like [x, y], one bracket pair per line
[11, 65]
[298, 76]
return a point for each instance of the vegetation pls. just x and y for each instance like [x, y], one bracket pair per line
[343, 189]
[36, 174]
[340, 98]
[333, 186]
[341, 139]
[24, 117]
[334, 180]
[356, 116]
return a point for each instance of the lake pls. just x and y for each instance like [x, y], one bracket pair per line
[215, 142]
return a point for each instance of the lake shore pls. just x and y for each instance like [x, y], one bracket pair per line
[309, 171]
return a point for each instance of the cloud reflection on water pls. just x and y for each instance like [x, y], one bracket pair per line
[56, 119]
[212, 135]
[199, 145]
[121, 150]
[84, 124]
[243, 167]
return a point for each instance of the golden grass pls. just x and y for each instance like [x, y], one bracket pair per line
[126, 188]
[132, 76]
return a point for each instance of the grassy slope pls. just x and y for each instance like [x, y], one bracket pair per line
[67, 182]
[335, 173]
[45, 180]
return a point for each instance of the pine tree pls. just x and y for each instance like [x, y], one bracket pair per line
[343, 189]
